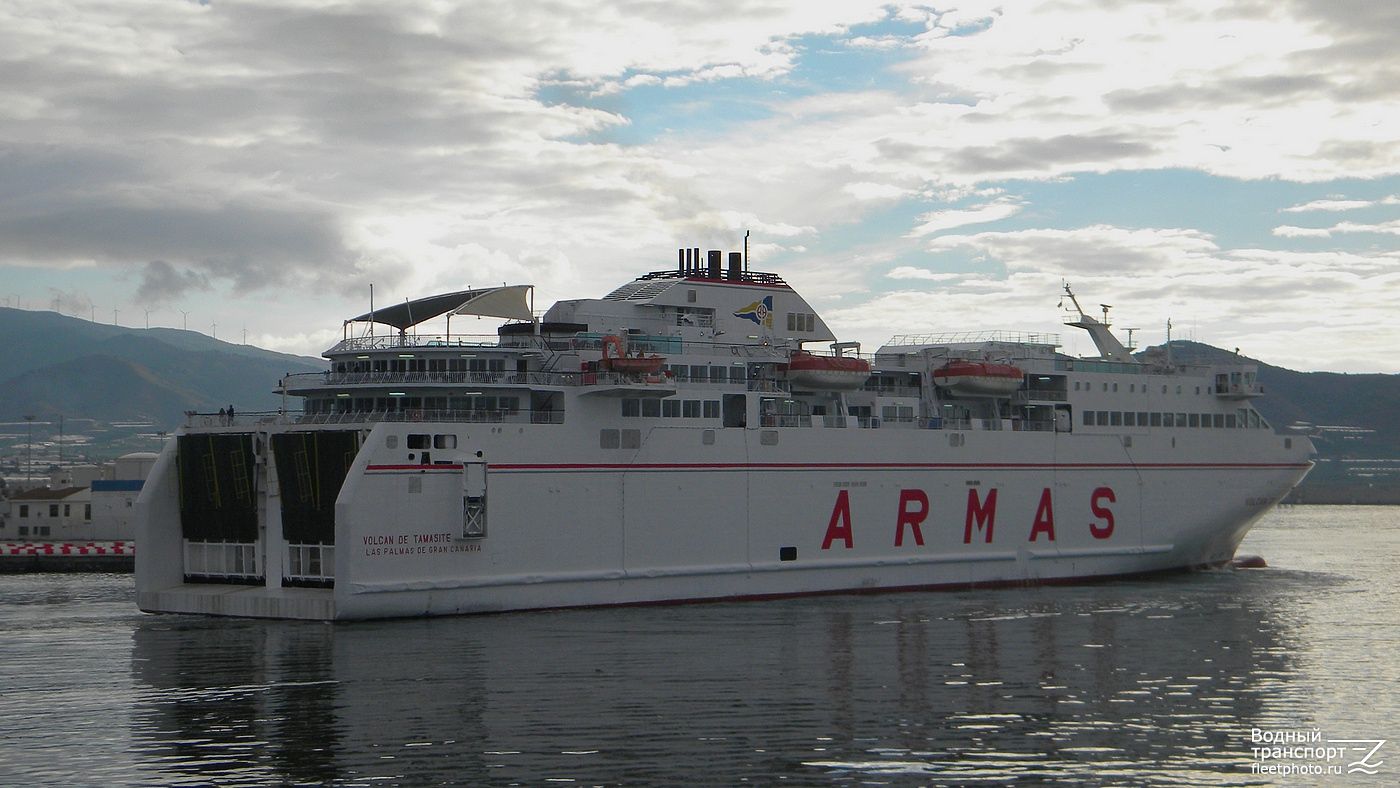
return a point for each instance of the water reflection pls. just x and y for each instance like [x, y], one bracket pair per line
[1136, 682]
[238, 702]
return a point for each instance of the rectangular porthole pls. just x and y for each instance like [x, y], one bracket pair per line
[787, 553]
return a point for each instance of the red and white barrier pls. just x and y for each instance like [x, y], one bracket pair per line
[68, 548]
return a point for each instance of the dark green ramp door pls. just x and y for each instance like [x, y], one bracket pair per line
[218, 508]
[311, 467]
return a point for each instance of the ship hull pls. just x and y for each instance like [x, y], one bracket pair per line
[691, 513]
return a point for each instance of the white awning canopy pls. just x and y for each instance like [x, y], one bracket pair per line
[508, 301]
[511, 301]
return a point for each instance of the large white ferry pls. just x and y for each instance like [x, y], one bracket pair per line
[698, 433]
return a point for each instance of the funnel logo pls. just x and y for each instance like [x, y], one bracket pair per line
[760, 312]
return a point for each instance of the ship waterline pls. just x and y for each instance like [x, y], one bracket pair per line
[434, 477]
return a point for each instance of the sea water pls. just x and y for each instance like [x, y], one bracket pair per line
[1287, 675]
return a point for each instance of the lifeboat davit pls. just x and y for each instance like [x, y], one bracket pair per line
[979, 377]
[827, 373]
[632, 365]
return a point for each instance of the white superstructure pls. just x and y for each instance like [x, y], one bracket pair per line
[430, 475]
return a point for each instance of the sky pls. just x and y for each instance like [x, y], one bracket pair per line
[249, 170]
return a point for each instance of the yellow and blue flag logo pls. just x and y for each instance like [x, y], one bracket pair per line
[760, 312]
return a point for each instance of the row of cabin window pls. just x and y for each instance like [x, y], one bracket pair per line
[1243, 418]
[1133, 388]
[702, 373]
[701, 317]
[423, 365]
[801, 321]
[476, 404]
[892, 413]
[671, 408]
[419, 440]
[53, 510]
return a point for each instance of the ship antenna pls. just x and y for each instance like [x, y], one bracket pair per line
[1073, 300]
[1169, 342]
[746, 251]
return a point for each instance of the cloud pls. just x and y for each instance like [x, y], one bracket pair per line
[224, 149]
[72, 302]
[1387, 228]
[1228, 297]
[162, 284]
[1289, 231]
[910, 272]
[1032, 156]
[938, 221]
[1337, 204]
[1383, 228]
[1094, 250]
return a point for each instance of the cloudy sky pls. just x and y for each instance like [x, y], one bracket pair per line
[232, 166]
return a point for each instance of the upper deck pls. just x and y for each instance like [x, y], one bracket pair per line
[714, 333]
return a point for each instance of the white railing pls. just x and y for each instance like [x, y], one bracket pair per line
[457, 416]
[226, 560]
[976, 337]
[391, 341]
[305, 381]
[310, 563]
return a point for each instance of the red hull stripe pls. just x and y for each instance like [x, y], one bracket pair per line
[837, 466]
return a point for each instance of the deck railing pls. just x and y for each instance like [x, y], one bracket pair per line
[263, 419]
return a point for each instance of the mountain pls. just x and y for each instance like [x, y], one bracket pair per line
[55, 365]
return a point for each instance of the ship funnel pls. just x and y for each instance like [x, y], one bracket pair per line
[716, 261]
[736, 267]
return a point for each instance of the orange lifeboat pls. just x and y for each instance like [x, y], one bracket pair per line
[979, 377]
[827, 373]
[632, 365]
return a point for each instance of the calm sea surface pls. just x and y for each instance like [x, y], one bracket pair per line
[1167, 682]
